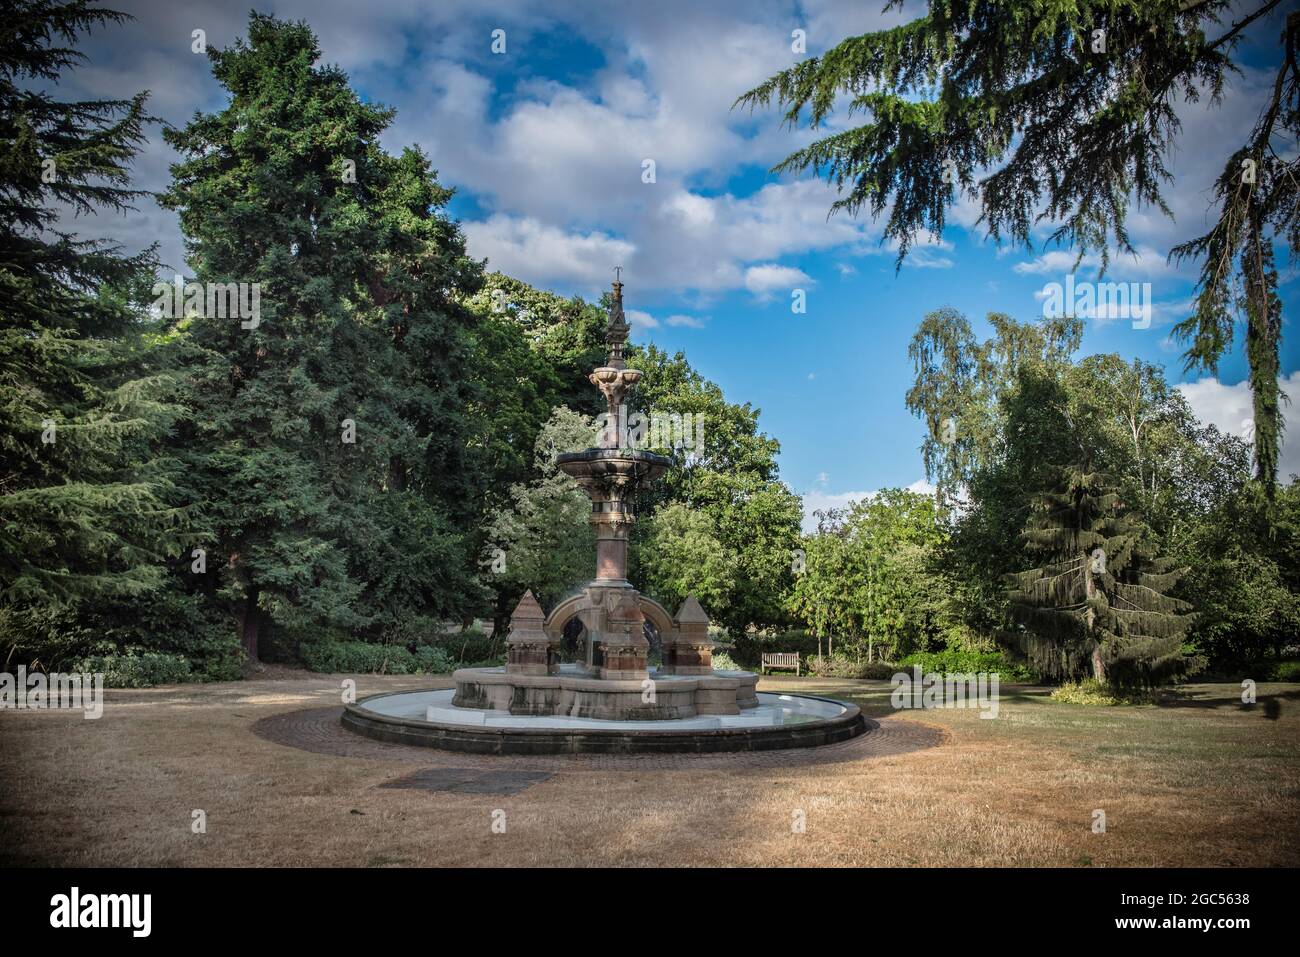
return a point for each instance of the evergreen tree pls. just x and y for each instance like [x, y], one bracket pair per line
[1063, 114]
[1099, 599]
[88, 510]
[330, 440]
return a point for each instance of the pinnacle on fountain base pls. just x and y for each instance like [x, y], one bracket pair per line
[528, 649]
[689, 651]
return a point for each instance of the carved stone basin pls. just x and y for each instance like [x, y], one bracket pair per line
[634, 468]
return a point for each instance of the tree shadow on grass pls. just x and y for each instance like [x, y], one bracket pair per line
[875, 697]
[1269, 706]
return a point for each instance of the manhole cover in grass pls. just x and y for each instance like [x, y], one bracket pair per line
[468, 780]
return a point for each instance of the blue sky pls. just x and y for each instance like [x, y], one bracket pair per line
[546, 143]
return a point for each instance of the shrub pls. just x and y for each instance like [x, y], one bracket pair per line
[484, 663]
[137, 669]
[748, 649]
[357, 657]
[363, 657]
[433, 660]
[173, 625]
[178, 624]
[1090, 691]
[959, 661]
[212, 649]
[878, 670]
[841, 666]
[724, 662]
[471, 645]
[44, 638]
[1287, 671]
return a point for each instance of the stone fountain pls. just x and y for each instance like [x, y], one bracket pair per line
[614, 681]
[611, 700]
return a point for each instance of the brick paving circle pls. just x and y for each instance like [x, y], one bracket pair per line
[320, 731]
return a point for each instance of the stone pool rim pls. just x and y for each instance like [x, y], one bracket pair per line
[475, 739]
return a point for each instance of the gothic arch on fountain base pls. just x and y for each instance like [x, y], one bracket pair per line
[570, 607]
[685, 651]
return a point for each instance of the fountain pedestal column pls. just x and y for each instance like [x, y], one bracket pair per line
[612, 616]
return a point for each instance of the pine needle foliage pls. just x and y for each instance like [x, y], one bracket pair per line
[89, 510]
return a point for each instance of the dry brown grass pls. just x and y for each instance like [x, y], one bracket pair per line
[1204, 782]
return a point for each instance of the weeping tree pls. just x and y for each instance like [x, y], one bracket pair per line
[1099, 601]
[1064, 115]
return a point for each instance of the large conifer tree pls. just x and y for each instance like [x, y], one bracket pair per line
[1099, 602]
[359, 274]
[87, 510]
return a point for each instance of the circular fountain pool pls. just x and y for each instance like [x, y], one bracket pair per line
[429, 718]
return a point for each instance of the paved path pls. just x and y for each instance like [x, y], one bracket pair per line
[318, 730]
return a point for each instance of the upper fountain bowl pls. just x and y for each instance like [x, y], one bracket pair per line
[636, 464]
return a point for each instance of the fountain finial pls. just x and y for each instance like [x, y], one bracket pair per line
[618, 328]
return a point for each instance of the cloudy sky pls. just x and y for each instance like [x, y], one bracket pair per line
[547, 142]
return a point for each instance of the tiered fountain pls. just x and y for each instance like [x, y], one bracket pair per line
[611, 700]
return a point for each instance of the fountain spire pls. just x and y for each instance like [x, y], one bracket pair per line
[614, 379]
[617, 329]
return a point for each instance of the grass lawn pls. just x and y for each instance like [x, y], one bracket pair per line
[1200, 780]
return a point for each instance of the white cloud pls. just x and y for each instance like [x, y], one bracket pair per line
[1230, 408]
[641, 320]
[924, 257]
[567, 155]
[817, 501]
[536, 252]
[764, 280]
[691, 322]
[1146, 264]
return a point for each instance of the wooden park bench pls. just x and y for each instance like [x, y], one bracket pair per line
[780, 660]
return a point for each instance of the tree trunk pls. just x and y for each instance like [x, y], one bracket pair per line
[396, 474]
[501, 616]
[249, 621]
[1090, 618]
